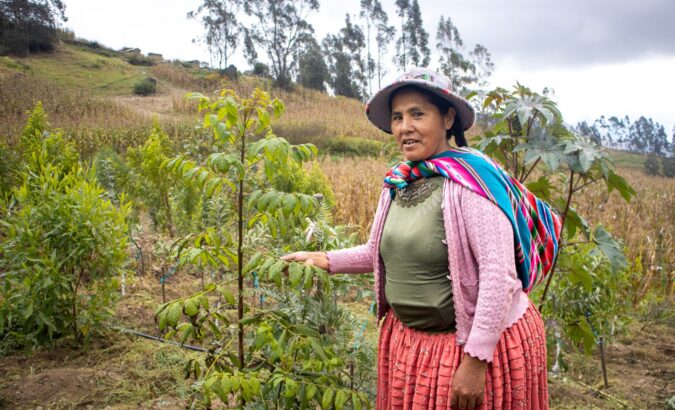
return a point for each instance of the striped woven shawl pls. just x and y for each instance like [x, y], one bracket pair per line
[536, 228]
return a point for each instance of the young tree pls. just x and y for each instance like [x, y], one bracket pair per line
[280, 28]
[312, 70]
[219, 18]
[29, 26]
[418, 38]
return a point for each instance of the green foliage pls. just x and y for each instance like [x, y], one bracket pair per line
[652, 165]
[668, 164]
[112, 173]
[292, 347]
[140, 60]
[63, 248]
[37, 137]
[295, 179]
[587, 297]
[352, 146]
[9, 168]
[145, 86]
[530, 139]
[150, 185]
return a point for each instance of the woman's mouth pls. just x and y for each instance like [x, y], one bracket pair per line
[409, 142]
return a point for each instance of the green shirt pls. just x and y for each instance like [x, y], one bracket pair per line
[415, 255]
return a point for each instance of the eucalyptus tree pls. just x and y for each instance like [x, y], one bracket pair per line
[383, 37]
[418, 38]
[375, 18]
[453, 62]
[402, 10]
[219, 19]
[312, 69]
[483, 65]
[345, 63]
[279, 29]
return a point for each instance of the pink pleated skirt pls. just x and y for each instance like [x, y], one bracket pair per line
[415, 368]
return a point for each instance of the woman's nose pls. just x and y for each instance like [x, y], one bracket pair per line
[406, 124]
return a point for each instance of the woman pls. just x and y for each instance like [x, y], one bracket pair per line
[450, 264]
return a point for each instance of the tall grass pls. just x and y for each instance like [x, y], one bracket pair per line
[67, 108]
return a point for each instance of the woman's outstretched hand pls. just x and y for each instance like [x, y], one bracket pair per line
[318, 259]
[468, 384]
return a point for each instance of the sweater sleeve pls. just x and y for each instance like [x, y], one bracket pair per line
[490, 238]
[358, 259]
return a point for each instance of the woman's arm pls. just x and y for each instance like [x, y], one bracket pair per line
[490, 238]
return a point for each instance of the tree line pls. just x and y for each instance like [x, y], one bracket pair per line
[276, 39]
[643, 136]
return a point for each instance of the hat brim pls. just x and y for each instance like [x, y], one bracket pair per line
[379, 112]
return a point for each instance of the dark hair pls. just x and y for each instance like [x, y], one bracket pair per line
[442, 105]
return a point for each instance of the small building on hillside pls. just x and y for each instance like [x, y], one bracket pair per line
[155, 57]
[130, 50]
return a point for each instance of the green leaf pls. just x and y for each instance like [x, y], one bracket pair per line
[356, 401]
[541, 187]
[173, 314]
[310, 391]
[276, 269]
[253, 262]
[327, 398]
[227, 295]
[291, 388]
[295, 273]
[191, 308]
[340, 399]
[615, 181]
[581, 331]
[610, 248]
[306, 331]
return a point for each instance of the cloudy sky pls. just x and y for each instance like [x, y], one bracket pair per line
[602, 57]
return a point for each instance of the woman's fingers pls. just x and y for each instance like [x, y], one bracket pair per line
[295, 256]
[462, 402]
[318, 259]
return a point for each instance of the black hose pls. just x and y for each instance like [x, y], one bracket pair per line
[157, 339]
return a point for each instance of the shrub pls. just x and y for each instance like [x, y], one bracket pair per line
[63, 248]
[9, 176]
[352, 146]
[231, 72]
[261, 70]
[140, 59]
[146, 86]
[668, 164]
[652, 165]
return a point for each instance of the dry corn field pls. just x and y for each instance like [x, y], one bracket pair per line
[646, 225]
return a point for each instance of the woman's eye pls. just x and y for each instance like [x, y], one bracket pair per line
[395, 117]
[418, 114]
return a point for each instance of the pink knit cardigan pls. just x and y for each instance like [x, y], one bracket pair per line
[487, 293]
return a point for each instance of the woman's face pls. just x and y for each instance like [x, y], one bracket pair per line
[418, 126]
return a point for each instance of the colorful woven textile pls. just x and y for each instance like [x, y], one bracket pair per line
[536, 228]
[415, 368]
